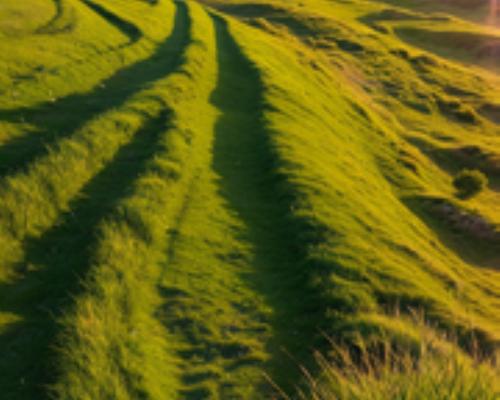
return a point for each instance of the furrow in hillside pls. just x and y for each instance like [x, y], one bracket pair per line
[32, 199]
[128, 28]
[64, 21]
[245, 163]
[37, 274]
[54, 265]
[83, 61]
[113, 345]
[54, 121]
[231, 297]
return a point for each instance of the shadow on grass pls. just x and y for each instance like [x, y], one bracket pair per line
[64, 21]
[127, 28]
[59, 119]
[244, 161]
[55, 265]
[472, 250]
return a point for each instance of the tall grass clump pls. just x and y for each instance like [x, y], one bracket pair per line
[436, 372]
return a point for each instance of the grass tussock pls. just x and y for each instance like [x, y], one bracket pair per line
[433, 370]
[404, 377]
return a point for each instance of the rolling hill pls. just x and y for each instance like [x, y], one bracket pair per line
[193, 194]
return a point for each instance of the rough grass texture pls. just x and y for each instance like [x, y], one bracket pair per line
[433, 371]
[194, 193]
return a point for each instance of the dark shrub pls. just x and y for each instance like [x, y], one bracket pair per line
[469, 182]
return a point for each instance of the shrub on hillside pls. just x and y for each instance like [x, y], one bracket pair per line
[469, 182]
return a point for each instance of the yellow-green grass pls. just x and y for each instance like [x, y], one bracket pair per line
[435, 370]
[38, 190]
[364, 254]
[114, 345]
[186, 200]
[379, 161]
[477, 11]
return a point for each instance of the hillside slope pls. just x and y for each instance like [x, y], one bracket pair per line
[194, 193]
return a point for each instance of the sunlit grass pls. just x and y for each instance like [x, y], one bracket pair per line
[186, 189]
[434, 369]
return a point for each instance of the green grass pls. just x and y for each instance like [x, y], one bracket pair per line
[435, 371]
[192, 194]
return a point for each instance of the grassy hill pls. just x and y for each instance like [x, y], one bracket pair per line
[193, 194]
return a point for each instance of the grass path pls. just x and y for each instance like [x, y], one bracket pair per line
[230, 299]
[245, 161]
